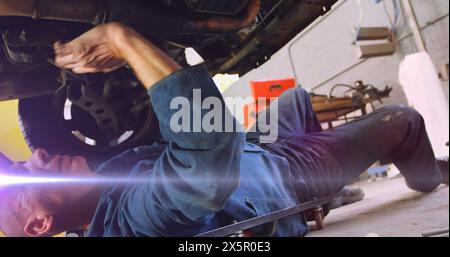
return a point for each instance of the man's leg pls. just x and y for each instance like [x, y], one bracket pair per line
[295, 116]
[399, 134]
[322, 163]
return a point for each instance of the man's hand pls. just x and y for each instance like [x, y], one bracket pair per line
[95, 51]
[111, 46]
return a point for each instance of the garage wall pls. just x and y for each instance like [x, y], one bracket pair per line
[324, 55]
[12, 143]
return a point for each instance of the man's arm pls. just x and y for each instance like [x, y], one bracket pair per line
[111, 46]
[198, 172]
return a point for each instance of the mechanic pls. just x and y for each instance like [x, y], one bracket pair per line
[197, 182]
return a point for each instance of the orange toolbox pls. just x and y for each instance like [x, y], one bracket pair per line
[270, 88]
[264, 90]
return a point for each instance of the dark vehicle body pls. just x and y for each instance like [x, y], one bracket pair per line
[99, 115]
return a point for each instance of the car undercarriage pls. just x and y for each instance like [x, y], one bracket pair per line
[99, 115]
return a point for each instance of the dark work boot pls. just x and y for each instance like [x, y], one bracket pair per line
[443, 166]
[347, 195]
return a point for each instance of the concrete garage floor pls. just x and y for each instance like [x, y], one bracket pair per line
[390, 209]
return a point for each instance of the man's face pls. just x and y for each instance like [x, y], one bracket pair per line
[43, 165]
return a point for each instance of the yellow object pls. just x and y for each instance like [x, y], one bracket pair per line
[12, 143]
[60, 235]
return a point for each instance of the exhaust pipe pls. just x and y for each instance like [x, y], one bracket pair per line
[224, 24]
[141, 15]
[86, 11]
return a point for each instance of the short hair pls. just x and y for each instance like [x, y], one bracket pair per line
[15, 205]
[12, 213]
[12, 207]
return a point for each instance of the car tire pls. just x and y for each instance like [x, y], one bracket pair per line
[42, 126]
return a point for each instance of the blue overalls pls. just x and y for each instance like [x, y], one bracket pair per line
[196, 182]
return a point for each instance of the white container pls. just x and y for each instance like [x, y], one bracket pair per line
[425, 93]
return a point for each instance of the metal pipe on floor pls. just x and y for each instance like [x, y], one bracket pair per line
[439, 233]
